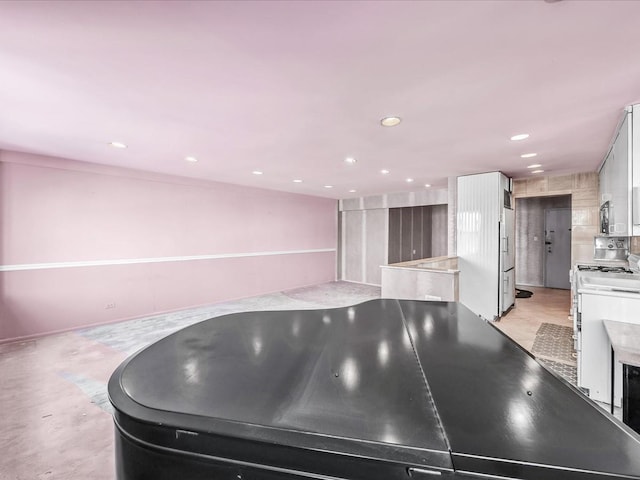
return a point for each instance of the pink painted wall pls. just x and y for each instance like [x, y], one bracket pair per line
[56, 210]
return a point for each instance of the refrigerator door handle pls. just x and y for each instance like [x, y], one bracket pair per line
[505, 244]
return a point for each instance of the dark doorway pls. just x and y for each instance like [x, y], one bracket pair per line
[530, 237]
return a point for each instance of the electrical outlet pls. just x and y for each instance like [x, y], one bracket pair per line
[432, 297]
[110, 305]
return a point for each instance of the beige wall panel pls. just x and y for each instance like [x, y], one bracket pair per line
[374, 202]
[585, 198]
[583, 181]
[431, 196]
[353, 245]
[560, 184]
[426, 196]
[452, 209]
[519, 188]
[583, 234]
[584, 205]
[439, 231]
[537, 186]
[376, 239]
[582, 252]
[585, 216]
[349, 204]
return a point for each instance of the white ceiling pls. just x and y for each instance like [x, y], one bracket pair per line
[292, 88]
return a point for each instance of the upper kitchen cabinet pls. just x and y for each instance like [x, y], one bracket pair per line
[616, 181]
[635, 170]
[620, 178]
[605, 192]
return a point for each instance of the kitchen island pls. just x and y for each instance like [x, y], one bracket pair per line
[424, 279]
[382, 390]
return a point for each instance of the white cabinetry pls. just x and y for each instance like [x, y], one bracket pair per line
[616, 180]
[620, 177]
[634, 155]
[594, 357]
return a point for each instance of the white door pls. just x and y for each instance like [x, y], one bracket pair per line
[557, 243]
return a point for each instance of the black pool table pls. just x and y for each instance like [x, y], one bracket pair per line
[383, 390]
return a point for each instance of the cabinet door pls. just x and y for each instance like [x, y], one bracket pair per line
[619, 219]
[605, 179]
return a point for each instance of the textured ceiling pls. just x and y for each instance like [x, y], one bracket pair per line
[292, 88]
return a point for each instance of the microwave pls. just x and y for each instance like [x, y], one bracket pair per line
[508, 199]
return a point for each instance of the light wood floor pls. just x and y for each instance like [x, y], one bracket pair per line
[547, 305]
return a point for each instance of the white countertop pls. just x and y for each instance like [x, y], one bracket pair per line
[443, 264]
[607, 283]
[625, 340]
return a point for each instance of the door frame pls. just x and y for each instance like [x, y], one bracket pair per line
[544, 251]
[526, 243]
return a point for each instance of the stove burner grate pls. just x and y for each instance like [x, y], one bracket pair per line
[603, 268]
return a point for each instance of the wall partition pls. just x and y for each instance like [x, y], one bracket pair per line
[371, 231]
[83, 244]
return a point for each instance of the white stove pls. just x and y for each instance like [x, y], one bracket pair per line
[601, 292]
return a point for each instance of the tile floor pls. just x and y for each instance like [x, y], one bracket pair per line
[541, 325]
[55, 419]
[546, 305]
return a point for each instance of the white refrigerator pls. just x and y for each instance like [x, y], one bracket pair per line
[485, 243]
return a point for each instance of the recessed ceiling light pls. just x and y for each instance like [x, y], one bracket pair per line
[520, 136]
[427, 185]
[118, 145]
[409, 180]
[191, 159]
[528, 155]
[535, 165]
[384, 171]
[390, 121]
[350, 160]
[328, 186]
[297, 180]
[352, 191]
[257, 172]
[537, 171]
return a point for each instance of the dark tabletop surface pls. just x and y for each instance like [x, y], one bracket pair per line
[496, 401]
[346, 372]
[415, 375]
